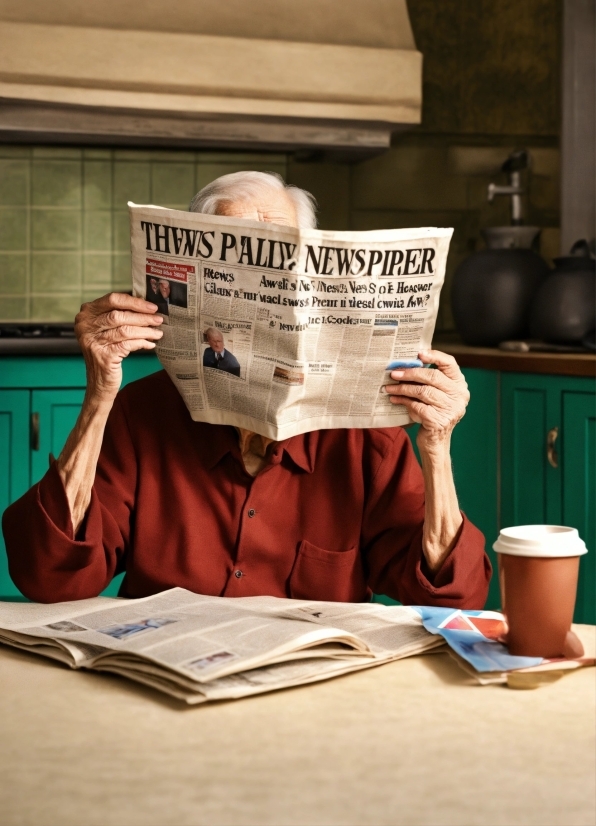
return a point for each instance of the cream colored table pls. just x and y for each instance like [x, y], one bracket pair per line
[408, 743]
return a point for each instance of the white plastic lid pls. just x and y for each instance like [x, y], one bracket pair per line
[540, 540]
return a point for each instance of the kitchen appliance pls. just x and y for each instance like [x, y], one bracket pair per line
[493, 289]
[564, 308]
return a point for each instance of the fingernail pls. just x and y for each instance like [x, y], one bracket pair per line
[397, 374]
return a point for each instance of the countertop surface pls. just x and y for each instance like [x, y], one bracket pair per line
[491, 358]
[39, 347]
[405, 744]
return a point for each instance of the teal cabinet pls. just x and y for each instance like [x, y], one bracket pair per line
[53, 413]
[40, 400]
[548, 463]
[579, 489]
[475, 459]
[14, 465]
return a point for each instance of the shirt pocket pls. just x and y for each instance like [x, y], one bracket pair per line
[334, 576]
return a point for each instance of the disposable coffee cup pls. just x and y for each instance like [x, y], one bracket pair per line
[538, 570]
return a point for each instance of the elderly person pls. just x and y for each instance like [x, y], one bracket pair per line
[332, 514]
[155, 295]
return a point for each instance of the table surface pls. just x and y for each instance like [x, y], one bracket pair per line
[406, 743]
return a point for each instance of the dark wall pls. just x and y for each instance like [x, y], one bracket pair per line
[491, 84]
[491, 67]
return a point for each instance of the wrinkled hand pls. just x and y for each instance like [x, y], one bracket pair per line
[436, 399]
[110, 328]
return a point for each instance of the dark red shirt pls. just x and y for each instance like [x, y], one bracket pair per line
[335, 515]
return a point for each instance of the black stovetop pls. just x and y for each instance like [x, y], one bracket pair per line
[36, 330]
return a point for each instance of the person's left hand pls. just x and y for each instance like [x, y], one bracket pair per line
[436, 399]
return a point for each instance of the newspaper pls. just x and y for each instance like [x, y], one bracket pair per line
[281, 330]
[476, 641]
[200, 648]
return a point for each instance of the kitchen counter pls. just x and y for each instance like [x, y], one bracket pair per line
[38, 338]
[39, 347]
[491, 358]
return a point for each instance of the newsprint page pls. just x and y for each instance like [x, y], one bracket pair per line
[281, 330]
[200, 648]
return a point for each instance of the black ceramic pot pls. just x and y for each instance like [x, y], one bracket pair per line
[564, 309]
[492, 292]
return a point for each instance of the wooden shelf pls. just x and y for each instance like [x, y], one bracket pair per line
[491, 358]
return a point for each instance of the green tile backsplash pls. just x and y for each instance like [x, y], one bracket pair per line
[14, 182]
[64, 231]
[64, 228]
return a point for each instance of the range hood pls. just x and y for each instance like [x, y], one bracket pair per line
[270, 74]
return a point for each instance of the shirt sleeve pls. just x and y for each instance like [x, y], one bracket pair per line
[45, 560]
[392, 535]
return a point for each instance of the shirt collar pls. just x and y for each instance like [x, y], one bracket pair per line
[301, 449]
[215, 441]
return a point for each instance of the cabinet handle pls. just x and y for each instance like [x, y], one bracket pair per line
[551, 450]
[34, 431]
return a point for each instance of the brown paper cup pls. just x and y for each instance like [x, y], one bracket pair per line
[538, 569]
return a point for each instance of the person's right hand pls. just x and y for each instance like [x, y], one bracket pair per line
[110, 328]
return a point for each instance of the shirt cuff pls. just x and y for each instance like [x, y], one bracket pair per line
[464, 574]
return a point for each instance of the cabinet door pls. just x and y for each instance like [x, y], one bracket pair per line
[559, 491]
[578, 459]
[54, 413]
[530, 487]
[14, 466]
[57, 412]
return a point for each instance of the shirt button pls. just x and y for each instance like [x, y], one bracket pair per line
[238, 574]
[251, 512]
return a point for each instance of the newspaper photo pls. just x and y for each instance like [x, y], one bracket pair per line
[281, 330]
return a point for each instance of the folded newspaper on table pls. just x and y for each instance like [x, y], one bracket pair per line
[282, 330]
[199, 648]
[476, 642]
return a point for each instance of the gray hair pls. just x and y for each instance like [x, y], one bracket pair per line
[244, 186]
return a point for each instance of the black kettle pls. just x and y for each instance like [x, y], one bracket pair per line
[493, 289]
[564, 307]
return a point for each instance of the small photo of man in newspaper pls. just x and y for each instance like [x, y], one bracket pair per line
[216, 355]
[153, 289]
[163, 292]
